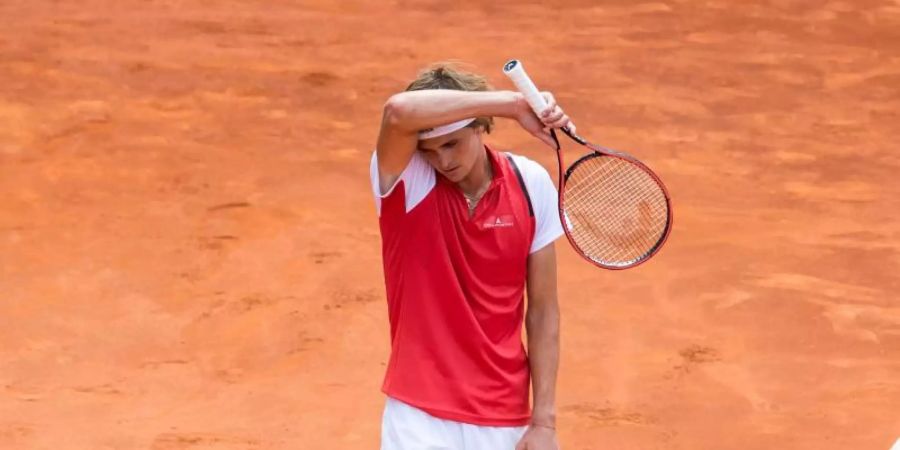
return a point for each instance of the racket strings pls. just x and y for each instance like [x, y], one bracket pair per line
[614, 236]
[616, 212]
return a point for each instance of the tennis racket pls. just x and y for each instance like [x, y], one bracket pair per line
[615, 211]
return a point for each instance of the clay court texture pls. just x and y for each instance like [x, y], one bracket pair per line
[190, 257]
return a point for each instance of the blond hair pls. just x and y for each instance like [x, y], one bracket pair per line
[448, 75]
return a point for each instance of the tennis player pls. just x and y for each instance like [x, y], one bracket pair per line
[464, 229]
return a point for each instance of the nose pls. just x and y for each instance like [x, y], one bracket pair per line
[445, 160]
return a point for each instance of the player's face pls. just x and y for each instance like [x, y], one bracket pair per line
[453, 155]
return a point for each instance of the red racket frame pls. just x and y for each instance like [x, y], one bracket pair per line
[605, 152]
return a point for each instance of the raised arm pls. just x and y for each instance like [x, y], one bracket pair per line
[406, 113]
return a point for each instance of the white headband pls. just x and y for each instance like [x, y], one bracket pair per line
[444, 129]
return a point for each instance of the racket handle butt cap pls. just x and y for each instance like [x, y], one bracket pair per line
[516, 72]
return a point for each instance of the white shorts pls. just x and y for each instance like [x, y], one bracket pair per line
[405, 427]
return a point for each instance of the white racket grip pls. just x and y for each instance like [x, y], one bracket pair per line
[516, 72]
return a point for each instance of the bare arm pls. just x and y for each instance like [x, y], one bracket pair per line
[542, 323]
[408, 112]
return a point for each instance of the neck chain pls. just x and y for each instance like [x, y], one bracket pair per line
[472, 200]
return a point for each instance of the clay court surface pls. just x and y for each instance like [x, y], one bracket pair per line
[190, 259]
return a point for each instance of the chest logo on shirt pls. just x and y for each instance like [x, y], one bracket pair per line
[501, 221]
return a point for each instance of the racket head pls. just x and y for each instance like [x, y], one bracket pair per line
[615, 211]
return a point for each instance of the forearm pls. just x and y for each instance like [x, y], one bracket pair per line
[543, 353]
[417, 110]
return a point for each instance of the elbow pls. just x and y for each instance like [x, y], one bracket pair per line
[542, 317]
[395, 110]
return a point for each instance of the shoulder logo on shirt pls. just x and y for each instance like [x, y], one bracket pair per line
[503, 221]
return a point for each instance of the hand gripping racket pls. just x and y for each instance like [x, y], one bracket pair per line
[615, 211]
